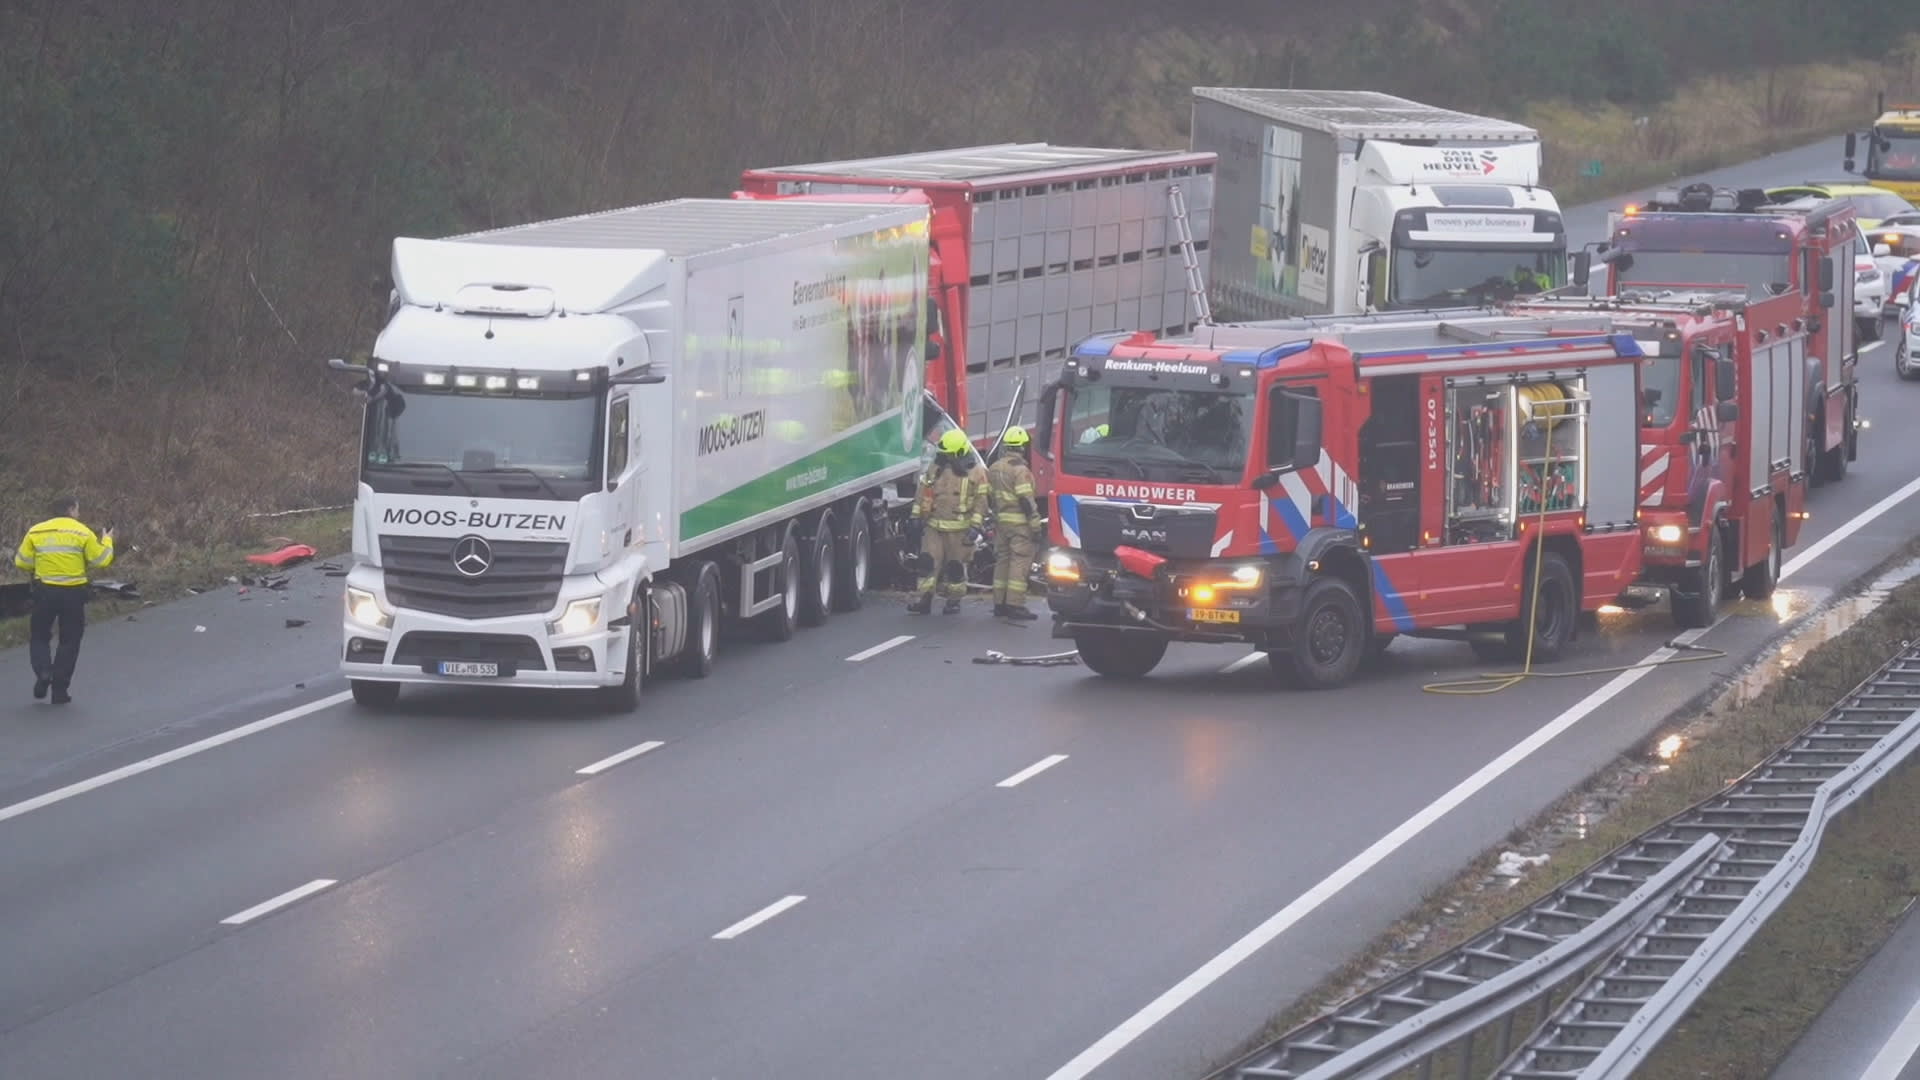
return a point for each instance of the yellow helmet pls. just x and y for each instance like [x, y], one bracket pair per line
[1017, 436]
[953, 442]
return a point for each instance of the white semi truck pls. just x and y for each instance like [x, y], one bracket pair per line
[1348, 201]
[591, 444]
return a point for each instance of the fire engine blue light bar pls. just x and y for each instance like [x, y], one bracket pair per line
[1263, 359]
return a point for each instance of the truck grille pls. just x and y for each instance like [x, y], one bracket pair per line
[524, 578]
[1174, 532]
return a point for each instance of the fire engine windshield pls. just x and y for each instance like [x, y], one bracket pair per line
[1441, 276]
[1760, 274]
[463, 440]
[1899, 161]
[1151, 433]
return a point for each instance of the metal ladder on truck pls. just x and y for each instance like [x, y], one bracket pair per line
[1183, 230]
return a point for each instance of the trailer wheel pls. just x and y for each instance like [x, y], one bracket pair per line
[1550, 613]
[1760, 580]
[1120, 654]
[703, 624]
[1331, 641]
[1699, 609]
[854, 556]
[784, 616]
[374, 695]
[817, 574]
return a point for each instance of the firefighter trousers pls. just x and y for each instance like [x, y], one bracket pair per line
[946, 551]
[1012, 563]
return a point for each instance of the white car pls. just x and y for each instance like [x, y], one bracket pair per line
[1905, 363]
[1869, 288]
[1893, 247]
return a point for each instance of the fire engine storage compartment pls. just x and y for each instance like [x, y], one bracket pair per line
[1064, 242]
[1513, 441]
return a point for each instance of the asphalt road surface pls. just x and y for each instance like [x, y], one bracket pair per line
[836, 861]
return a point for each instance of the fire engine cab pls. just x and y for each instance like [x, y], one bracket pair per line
[1317, 487]
[1701, 239]
[1723, 465]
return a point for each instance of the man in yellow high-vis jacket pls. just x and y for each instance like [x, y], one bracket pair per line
[59, 553]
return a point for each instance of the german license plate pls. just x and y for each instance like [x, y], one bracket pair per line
[468, 667]
[1213, 615]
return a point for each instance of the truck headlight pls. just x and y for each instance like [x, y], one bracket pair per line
[1668, 534]
[1062, 567]
[1248, 576]
[364, 608]
[580, 617]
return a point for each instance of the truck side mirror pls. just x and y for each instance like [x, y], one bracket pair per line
[1826, 299]
[1826, 276]
[1043, 421]
[1727, 412]
[1582, 267]
[1724, 387]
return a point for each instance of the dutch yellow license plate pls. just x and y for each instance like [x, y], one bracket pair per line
[1213, 615]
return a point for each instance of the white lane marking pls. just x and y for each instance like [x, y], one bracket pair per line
[625, 755]
[1248, 660]
[1825, 543]
[280, 901]
[757, 918]
[1898, 1050]
[154, 762]
[868, 654]
[1305, 904]
[1032, 771]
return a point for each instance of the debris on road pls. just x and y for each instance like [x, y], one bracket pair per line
[291, 623]
[287, 556]
[1050, 660]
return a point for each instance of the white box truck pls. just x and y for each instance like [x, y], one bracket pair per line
[1348, 201]
[591, 444]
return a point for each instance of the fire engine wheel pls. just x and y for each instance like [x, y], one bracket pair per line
[1552, 610]
[1120, 654]
[1760, 580]
[1706, 586]
[1331, 639]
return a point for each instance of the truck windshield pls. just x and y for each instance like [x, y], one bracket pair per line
[1901, 159]
[1443, 276]
[547, 444]
[1761, 274]
[1150, 433]
[1659, 390]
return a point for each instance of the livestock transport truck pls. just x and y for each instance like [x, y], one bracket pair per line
[1335, 202]
[1317, 487]
[592, 444]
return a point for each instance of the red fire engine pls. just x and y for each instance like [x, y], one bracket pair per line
[1723, 466]
[1318, 486]
[1701, 238]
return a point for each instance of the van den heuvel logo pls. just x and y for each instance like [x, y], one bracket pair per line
[1463, 162]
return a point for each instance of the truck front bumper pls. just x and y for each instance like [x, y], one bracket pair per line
[1087, 591]
[387, 644]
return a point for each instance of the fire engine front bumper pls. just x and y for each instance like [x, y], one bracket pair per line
[1223, 600]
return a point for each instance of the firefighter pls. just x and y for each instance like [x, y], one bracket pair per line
[1014, 512]
[58, 553]
[948, 512]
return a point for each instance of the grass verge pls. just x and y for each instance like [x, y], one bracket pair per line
[188, 568]
[1693, 756]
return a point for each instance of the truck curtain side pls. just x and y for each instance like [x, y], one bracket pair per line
[1343, 201]
[672, 417]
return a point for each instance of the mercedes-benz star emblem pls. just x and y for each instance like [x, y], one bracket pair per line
[472, 555]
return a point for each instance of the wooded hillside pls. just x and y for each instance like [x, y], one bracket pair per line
[198, 195]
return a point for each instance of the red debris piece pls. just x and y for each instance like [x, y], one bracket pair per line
[286, 556]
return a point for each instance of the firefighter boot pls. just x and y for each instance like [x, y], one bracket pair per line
[1019, 613]
[922, 606]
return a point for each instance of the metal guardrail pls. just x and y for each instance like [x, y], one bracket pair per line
[1723, 867]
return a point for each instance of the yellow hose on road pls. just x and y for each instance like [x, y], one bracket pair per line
[1550, 402]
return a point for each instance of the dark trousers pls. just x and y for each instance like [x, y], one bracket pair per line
[66, 605]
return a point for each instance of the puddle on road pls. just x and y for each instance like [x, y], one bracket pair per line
[1816, 632]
